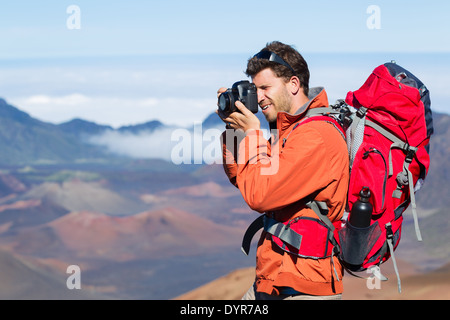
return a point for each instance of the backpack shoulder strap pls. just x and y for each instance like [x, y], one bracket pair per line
[323, 114]
[319, 114]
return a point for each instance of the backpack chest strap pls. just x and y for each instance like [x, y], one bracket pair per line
[284, 232]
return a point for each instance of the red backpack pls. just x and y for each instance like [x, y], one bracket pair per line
[388, 141]
[388, 125]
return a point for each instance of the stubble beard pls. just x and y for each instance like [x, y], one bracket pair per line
[280, 104]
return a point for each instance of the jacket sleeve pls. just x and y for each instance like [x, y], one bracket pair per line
[272, 177]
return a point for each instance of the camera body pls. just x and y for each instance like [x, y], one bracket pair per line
[242, 91]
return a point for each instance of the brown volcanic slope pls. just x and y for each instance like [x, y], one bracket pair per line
[77, 195]
[222, 204]
[24, 280]
[151, 234]
[229, 287]
[210, 189]
[433, 285]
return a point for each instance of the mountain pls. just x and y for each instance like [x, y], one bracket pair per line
[28, 141]
[82, 128]
[85, 235]
[155, 254]
[25, 140]
[148, 126]
[436, 189]
[24, 279]
[159, 233]
[231, 286]
[75, 195]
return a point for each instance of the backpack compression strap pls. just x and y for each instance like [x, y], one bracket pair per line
[405, 177]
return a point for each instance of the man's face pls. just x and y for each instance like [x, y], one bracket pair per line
[273, 96]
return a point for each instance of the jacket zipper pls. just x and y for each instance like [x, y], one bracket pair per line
[285, 139]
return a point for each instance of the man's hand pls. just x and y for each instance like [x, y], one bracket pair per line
[244, 120]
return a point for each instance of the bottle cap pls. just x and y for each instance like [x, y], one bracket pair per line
[364, 194]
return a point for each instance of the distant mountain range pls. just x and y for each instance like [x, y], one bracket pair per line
[28, 141]
[25, 140]
[80, 127]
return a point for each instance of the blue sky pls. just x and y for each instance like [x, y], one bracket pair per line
[134, 61]
[38, 28]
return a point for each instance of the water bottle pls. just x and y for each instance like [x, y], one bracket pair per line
[361, 213]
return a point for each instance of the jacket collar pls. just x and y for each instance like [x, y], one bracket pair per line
[317, 98]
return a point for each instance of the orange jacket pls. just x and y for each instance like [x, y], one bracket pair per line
[276, 179]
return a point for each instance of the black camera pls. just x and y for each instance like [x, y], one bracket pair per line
[242, 91]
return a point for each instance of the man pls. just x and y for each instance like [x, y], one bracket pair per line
[279, 177]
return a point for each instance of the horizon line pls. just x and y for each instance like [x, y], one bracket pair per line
[197, 54]
[117, 127]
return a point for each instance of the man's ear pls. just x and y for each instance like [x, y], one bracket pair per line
[294, 85]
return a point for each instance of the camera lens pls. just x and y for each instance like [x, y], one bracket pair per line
[224, 101]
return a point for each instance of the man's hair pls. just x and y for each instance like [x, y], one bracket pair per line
[289, 55]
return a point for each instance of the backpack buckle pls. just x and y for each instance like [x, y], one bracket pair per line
[423, 90]
[361, 112]
[389, 233]
[411, 153]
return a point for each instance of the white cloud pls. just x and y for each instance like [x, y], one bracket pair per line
[69, 100]
[177, 145]
[143, 145]
[116, 111]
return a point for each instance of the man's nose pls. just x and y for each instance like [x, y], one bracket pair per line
[261, 96]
